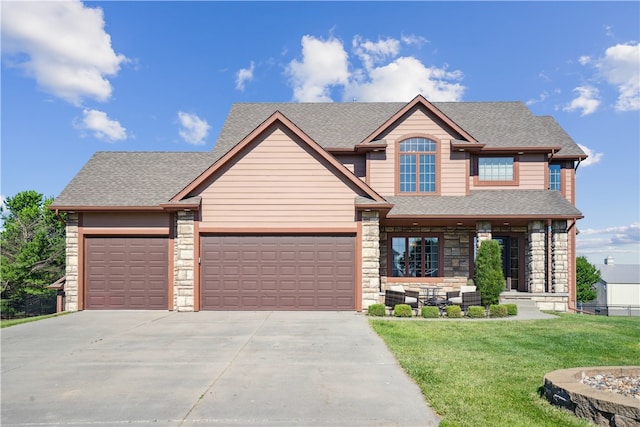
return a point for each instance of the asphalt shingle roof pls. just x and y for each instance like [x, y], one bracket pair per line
[150, 178]
[497, 203]
[343, 125]
[133, 178]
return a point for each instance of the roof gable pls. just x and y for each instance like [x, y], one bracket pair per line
[420, 101]
[275, 119]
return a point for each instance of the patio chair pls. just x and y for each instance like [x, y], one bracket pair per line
[400, 296]
[465, 297]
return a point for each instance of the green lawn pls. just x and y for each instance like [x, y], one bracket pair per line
[489, 373]
[11, 322]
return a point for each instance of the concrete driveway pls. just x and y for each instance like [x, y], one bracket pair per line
[112, 368]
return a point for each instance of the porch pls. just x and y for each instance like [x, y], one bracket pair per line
[536, 257]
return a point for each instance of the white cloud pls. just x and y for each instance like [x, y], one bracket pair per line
[413, 39]
[194, 129]
[622, 241]
[620, 66]
[244, 75]
[593, 156]
[587, 102]
[382, 76]
[629, 230]
[403, 79]
[102, 126]
[544, 95]
[324, 64]
[584, 60]
[65, 47]
[371, 53]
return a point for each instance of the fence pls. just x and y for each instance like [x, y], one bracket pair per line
[29, 306]
[612, 310]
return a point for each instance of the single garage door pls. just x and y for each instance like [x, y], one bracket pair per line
[126, 273]
[284, 272]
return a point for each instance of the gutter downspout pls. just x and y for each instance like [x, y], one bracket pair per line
[62, 221]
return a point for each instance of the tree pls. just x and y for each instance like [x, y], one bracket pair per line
[488, 274]
[587, 275]
[33, 246]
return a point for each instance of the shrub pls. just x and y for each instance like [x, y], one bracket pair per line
[497, 310]
[512, 309]
[402, 310]
[489, 278]
[430, 312]
[475, 311]
[453, 311]
[377, 310]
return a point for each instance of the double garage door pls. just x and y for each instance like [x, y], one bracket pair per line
[284, 272]
[238, 272]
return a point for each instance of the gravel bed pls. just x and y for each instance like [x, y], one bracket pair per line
[627, 385]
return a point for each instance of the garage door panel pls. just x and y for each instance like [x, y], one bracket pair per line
[126, 273]
[278, 272]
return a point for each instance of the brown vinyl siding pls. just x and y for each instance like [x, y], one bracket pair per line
[453, 172]
[532, 171]
[278, 182]
[568, 181]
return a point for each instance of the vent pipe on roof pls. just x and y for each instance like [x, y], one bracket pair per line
[608, 260]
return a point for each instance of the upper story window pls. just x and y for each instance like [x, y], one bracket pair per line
[554, 176]
[417, 165]
[496, 169]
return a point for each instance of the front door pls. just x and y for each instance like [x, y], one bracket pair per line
[511, 261]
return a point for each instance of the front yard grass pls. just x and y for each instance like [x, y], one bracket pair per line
[5, 323]
[490, 373]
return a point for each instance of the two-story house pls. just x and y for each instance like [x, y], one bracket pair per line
[324, 206]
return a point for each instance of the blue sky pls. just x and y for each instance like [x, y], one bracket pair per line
[161, 76]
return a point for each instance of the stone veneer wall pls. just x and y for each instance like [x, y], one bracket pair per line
[559, 257]
[536, 257]
[71, 283]
[370, 258]
[184, 262]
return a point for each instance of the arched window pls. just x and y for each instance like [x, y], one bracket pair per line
[417, 165]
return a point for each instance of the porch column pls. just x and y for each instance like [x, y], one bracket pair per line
[184, 263]
[71, 272]
[370, 268]
[536, 257]
[559, 256]
[483, 232]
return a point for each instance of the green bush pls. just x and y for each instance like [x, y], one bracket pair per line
[377, 310]
[512, 309]
[430, 312]
[402, 310]
[497, 310]
[475, 311]
[453, 311]
[489, 278]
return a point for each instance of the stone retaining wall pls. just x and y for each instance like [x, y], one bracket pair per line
[563, 388]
